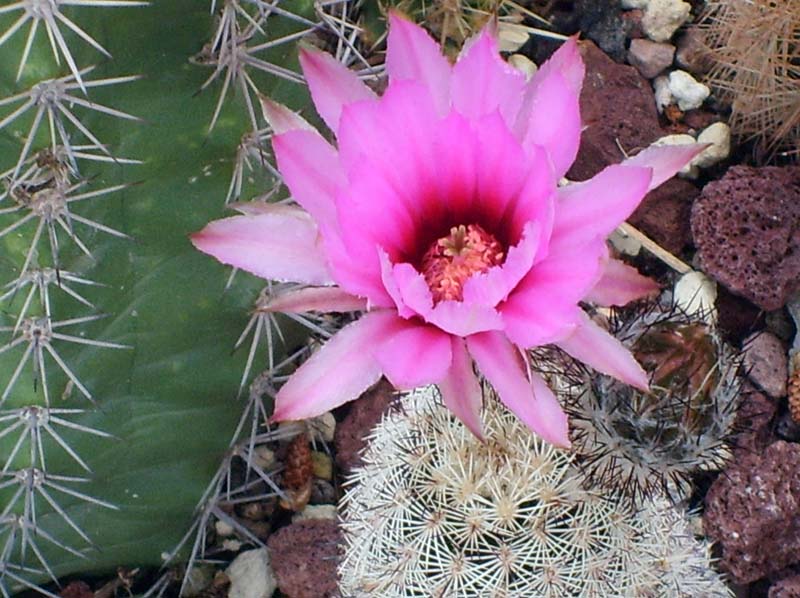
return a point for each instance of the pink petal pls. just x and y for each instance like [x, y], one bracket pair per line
[554, 121]
[595, 347]
[543, 307]
[355, 275]
[320, 299]
[620, 284]
[332, 85]
[282, 244]
[568, 62]
[528, 398]
[281, 119]
[412, 54]
[494, 285]
[455, 317]
[665, 160]
[389, 283]
[461, 391]
[340, 371]
[310, 168]
[415, 355]
[596, 207]
[483, 82]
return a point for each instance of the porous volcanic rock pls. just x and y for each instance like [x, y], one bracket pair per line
[664, 214]
[304, 557]
[617, 105]
[753, 512]
[365, 412]
[746, 227]
[754, 421]
[786, 588]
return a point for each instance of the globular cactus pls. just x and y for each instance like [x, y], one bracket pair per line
[435, 511]
[118, 391]
[644, 443]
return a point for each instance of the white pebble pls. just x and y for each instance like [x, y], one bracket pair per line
[662, 93]
[629, 4]
[223, 529]
[690, 170]
[719, 136]
[696, 293]
[687, 91]
[251, 575]
[523, 64]
[316, 512]
[663, 17]
[323, 427]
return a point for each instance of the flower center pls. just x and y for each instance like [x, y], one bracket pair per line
[451, 260]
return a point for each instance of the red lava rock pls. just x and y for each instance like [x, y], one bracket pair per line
[746, 227]
[786, 588]
[753, 512]
[365, 412]
[76, 589]
[633, 23]
[754, 421]
[304, 557]
[766, 363]
[617, 105]
[699, 119]
[664, 214]
[650, 58]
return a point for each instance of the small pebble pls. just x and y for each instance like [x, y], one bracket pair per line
[523, 64]
[662, 92]
[663, 17]
[223, 529]
[766, 363]
[697, 294]
[650, 58]
[316, 512]
[687, 91]
[251, 575]
[263, 457]
[691, 54]
[690, 170]
[322, 465]
[719, 136]
[323, 427]
[629, 4]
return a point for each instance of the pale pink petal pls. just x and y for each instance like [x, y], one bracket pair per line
[320, 299]
[620, 284]
[595, 347]
[342, 369]
[543, 307]
[281, 119]
[494, 285]
[483, 82]
[412, 54]
[356, 276]
[455, 317]
[387, 277]
[568, 62]
[665, 160]
[332, 85]
[280, 245]
[416, 355]
[554, 121]
[310, 168]
[594, 208]
[529, 399]
[461, 391]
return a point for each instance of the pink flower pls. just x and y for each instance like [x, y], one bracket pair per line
[438, 214]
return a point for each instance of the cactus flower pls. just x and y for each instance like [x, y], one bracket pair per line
[438, 214]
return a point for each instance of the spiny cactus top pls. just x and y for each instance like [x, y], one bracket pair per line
[440, 212]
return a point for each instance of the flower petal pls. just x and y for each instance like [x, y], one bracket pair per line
[332, 85]
[483, 82]
[281, 244]
[461, 391]
[553, 120]
[310, 168]
[494, 285]
[543, 307]
[665, 160]
[412, 54]
[595, 347]
[342, 369]
[415, 355]
[620, 284]
[282, 119]
[321, 299]
[594, 208]
[528, 398]
[568, 62]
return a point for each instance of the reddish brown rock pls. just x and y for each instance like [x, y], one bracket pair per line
[766, 363]
[664, 215]
[753, 512]
[786, 588]
[364, 414]
[699, 119]
[692, 54]
[746, 227]
[617, 105]
[304, 557]
[650, 58]
[754, 421]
